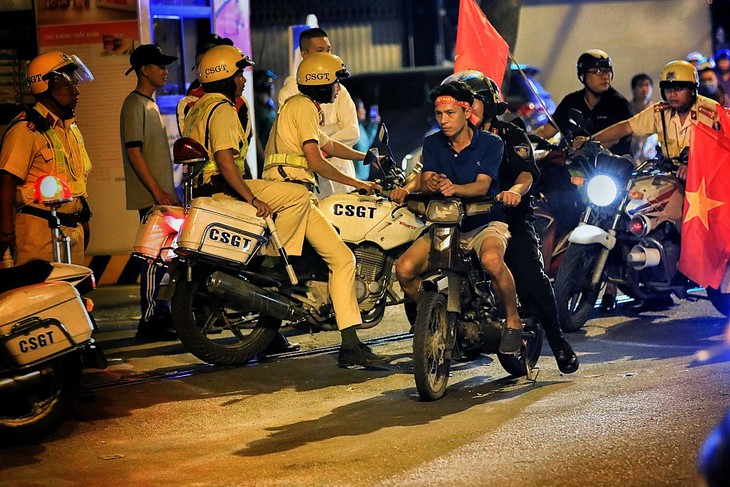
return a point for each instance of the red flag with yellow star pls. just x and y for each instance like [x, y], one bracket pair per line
[706, 220]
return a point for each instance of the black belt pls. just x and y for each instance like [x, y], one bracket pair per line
[306, 184]
[71, 220]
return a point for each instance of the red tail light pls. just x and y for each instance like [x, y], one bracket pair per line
[639, 226]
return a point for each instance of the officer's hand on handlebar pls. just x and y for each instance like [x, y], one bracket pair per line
[262, 209]
[682, 172]
[579, 141]
[368, 187]
[399, 195]
[509, 198]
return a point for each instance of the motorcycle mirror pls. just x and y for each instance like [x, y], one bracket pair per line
[383, 134]
[371, 156]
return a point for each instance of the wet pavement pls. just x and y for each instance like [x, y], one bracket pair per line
[633, 415]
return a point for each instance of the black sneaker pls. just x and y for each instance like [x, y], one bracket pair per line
[156, 330]
[511, 341]
[361, 355]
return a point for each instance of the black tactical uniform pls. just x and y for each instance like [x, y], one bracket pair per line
[523, 255]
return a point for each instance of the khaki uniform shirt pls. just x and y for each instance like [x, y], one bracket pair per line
[299, 119]
[29, 154]
[676, 138]
[224, 130]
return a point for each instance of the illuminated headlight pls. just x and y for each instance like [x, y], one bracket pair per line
[445, 211]
[602, 190]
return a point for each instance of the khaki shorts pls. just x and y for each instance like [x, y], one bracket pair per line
[473, 239]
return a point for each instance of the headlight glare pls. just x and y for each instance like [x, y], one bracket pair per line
[602, 190]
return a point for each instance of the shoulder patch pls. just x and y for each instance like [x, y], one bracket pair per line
[661, 106]
[707, 111]
[522, 150]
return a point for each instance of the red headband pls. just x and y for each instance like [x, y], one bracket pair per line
[450, 100]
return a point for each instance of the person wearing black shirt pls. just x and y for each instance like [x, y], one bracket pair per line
[600, 104]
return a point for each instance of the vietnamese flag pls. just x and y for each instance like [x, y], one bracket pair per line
[478, 45]
[706, 222]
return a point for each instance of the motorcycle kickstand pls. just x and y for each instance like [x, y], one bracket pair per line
[531, 373]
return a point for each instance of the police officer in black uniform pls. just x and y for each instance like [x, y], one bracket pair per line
[600, 104]
[517, 173]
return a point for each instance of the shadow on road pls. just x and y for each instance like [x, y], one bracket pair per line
[401, 408]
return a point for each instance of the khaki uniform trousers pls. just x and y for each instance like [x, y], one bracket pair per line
[325, 240]
[292, 205]
[33, 237]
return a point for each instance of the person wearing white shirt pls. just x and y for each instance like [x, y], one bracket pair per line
[340, 117]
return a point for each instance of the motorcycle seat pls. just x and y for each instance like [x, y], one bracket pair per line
[33, 272]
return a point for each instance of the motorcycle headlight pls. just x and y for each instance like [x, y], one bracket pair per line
[602, 190]
[445, 211]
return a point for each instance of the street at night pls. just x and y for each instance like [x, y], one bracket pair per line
[634, 414]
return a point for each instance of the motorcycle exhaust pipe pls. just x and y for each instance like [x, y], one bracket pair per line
[642, 257]
[251, 296]
[29, 381]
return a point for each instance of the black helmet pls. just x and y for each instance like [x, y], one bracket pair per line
[593, 58]
[484, 88]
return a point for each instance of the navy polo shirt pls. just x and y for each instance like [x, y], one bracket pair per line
[482, 156]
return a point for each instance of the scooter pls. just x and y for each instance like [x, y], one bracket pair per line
[45, 335]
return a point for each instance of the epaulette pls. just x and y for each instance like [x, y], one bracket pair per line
[22, 117]
[707, 111]
[661, 106]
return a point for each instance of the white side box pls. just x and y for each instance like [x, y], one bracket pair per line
[158, 230]
[59, 300]
[223, 228]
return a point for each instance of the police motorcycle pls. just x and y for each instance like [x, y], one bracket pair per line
[45, 334]
[227, 301]
[458, 313]
[630, 235]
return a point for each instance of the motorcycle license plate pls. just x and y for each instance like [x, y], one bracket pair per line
[37, 343]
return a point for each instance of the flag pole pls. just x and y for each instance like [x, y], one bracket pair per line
[532, 88]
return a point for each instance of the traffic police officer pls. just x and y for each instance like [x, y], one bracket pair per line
[294, 154]
[45, 141]
[671, 119]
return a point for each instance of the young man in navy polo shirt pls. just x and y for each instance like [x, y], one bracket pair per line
[461, 160]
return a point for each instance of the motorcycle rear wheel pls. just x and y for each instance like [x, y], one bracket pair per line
[720, 301]
[515, 363]
[574, 298]
[31, 415]
[433, 342]
[214, 329]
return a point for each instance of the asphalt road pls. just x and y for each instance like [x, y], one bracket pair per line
[634, 414]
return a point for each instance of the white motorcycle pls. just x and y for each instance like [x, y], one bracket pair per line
[227, 305]
[45, 339]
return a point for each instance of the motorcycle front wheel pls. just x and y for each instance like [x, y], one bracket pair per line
[31, 413]
[720, 301]
[573, 293]
[515, 363]
[433, 342]
[215, 329]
